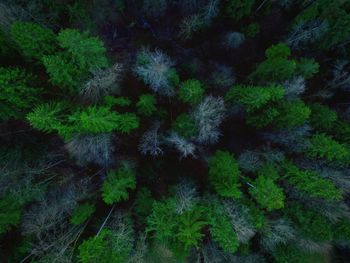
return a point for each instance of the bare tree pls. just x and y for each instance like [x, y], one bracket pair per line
[104, 82]
[150, 141]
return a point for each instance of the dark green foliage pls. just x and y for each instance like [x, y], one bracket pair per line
[341, 131]
[277, 66]
[237, 9]
[191, 91]
[82, 213]
[185, 126]
[310, 224]
[310, 183]
[10, 213]
[117, 101]
[323, 146]
[322, 118]
[254, 97]
[143, 204]
[146, 105]
[33, 40]
[342, 231]
[117, 184]
[224, 174]
[307, 68]
[17, 95]
[292, 254]
[251, 30]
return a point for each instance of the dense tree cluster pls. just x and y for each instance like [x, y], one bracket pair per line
[148, 131]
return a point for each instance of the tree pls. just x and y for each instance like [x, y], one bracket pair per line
[117, 183]
[191, 91]
[310, 183]
[292, 114]
[183, 232]
[185, 126]
[34, 41]
[146, 105]
[277, 66]
[323, 146]
[156, 70]
[221, 229]
[88, 53]
[224, 174]
[307, 67]
[82, 213]
[150, 142]
[208, 116]
[267, 193]
[80, 55]
[96, 148]
[310, 224]
[237, 9]
[10, 213]
[322, 118]
[254, 97]
[17, 96]
[113, 244]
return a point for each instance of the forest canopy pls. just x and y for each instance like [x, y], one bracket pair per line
[186, 131]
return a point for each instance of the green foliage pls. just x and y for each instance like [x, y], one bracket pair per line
[158, 221]
[33, 40]
[82, 213]
[146, 105]
[310, 224]
[190, 225]
[224, 174]
[277, 66]
[111, 101]
[10, 213]
[17, 96]
[107, 247]
[322, 118]
[62, 73]
[94, 120]
[341, 131]
[292, 114]
[278, 51]
[191, 91]
[292, 254]
[88, 53]
[267, 193]
[254, 97]
[80, 55]
[183, 232]
[51, 117]
[185, 126]
[311, 183]
[221, 229]
[264, 118]
[307, 68]
[323, 146]
[117, 183]
[237, 9]
[342, 231]
[251, 30]
[143, 204]
[47, 117]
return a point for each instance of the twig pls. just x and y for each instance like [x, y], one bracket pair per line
[104, 222]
